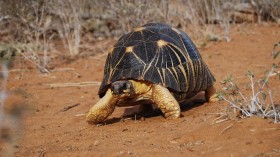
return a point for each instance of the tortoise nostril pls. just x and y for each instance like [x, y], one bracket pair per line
[124, 86]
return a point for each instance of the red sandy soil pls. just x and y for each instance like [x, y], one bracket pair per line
[46, 130]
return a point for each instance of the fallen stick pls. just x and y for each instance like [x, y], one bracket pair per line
[98, 56]
[69, 107]
[225, 129]
[81, 114]
[214, 114]
[16, 70]
[62, 69]
[57, 85]
[220, 121]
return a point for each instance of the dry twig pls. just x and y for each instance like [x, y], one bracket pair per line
[69, 107]
[80, 84]
[225, 129]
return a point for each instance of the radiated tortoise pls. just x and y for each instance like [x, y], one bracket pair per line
[153, 64]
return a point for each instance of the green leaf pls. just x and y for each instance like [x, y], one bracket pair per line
[263, 79]
[274, 65]
[264, 94]
[227, 79]
[277, 44]
[250, 73]
[276, 54]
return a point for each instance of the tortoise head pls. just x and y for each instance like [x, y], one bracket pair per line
[122, 89]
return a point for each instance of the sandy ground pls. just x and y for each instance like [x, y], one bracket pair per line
[45, 129]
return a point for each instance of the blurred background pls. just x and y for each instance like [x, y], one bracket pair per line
[41, 29]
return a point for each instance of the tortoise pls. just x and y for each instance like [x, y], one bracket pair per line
[154, 64]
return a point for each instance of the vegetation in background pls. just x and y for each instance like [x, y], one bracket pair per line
[37, 28]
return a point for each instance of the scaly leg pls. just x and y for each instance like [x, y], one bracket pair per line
[166, 102]
[102, 109]
[210, 94]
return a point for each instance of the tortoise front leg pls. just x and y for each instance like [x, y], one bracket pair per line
[165, 102]
[210, 94]
[102, 109]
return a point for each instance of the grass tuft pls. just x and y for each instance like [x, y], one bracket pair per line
[260, 100]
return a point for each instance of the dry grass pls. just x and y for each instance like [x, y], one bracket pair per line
[36, 25]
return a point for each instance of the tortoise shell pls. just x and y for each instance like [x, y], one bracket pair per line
[159, 54]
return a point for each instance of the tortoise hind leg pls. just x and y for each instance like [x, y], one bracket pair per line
[165, 102]
[102, 109]
[210, 94]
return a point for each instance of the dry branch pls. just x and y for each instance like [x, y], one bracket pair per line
[69, 107]
[62, 69]
[80, 84]
[225, 129]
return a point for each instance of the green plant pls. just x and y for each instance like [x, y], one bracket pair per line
[259, 102]
[276, 52]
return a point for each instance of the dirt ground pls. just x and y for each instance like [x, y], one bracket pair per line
[45, 129]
